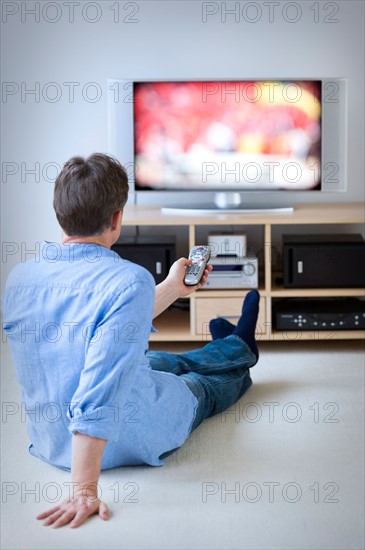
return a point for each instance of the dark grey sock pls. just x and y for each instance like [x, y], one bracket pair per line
[246, 325]
[220, 328]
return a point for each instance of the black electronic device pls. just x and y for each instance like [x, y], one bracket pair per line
[319, 314]
[324, 261]
[155, 253]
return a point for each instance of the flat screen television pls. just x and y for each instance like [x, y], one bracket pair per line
[214, 143]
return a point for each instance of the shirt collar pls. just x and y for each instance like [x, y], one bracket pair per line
[90, 252]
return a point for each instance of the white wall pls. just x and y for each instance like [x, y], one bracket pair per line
[156, 39]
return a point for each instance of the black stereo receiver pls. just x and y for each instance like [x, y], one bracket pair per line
[319, 314]
[324, 261]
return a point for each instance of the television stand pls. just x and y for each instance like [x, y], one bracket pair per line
[264, 235]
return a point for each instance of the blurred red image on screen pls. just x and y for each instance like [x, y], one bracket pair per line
[228, 134]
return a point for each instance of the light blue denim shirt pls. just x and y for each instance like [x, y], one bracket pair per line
[78, 319]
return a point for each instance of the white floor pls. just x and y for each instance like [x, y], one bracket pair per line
[284, 469]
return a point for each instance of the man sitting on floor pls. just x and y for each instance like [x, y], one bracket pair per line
[78, 319]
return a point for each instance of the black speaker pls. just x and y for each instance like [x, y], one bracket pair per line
[155, 253]
[324, 261]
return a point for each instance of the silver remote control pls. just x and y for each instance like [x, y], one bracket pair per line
[194, 272]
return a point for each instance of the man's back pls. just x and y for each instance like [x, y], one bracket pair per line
[78, 320]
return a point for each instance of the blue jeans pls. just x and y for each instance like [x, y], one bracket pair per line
[217, 374]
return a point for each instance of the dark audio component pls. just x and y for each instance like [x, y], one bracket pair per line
[319, 314]
[324, 261]
[156, 253]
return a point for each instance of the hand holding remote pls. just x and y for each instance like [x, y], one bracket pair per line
[200, 257]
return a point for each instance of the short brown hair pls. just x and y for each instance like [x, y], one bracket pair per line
[88, 192]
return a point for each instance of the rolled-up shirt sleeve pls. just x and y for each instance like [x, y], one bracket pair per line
[113, 358]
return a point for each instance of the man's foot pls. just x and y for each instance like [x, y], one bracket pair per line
[246, 325]
[220, 328]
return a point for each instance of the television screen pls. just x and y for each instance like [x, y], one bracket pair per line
[227, 135]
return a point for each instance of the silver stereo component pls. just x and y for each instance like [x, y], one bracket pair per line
[227, 244]
[233, 272]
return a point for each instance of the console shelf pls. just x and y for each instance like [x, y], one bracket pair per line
[193, 325]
